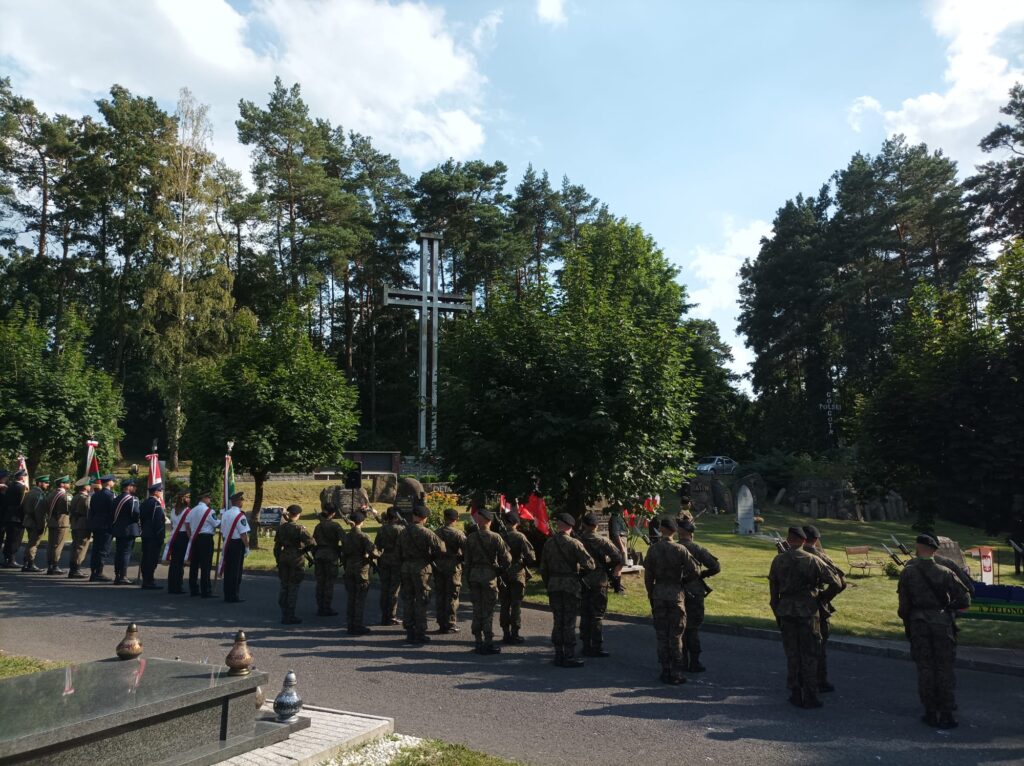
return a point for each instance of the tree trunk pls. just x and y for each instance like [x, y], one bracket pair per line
[576, 501]
[43, 213]
[32, 459]
[348, 322]
[257, 502]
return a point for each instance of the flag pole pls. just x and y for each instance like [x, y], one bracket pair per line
[224, 501]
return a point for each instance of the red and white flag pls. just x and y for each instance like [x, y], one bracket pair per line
[22, 466]
[539, 510]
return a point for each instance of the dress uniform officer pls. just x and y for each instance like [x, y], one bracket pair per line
[797, 581]
[234, 530]
[178, 544]
[448, 573]
[292, 542]
[12, 518]
[80, 534]
[825, 609]
[594, 595]
[562, 560]
[389, 566]
[418, 549]
[328, 535]
[487, 557]
[58, 521]
[202, 525]
[101, 516]
[667, 565]
[694, 593]
[125, 528]
[153, 524]
[929, 593]
[34, 521]
[357, 554]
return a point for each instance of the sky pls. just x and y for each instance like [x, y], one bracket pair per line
[695, 120]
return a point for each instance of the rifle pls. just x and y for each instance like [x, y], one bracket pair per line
[896, 559]
[901, 546]
[780, 545]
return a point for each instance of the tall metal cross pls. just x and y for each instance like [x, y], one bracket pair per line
[430, 301]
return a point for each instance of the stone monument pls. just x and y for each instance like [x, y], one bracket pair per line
[745, 511]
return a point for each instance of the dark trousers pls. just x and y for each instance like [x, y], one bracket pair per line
[176, 569]
[801, 640]
[152, 547]
[199, 569]
[511, 596]
[565, 608]
[234, 554]
[691, 636]
[593, 606]
[933, 649]
[669, 627]
[1018, 560]
[825, 629]
[100, 549]
[390, 585]
[122, 556]
[355, 600]
[13, 540]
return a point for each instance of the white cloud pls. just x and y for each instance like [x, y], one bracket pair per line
[486, 31]
[712, 274]
[983, 60]
[552, 12]
[395, 71]
[861, 106]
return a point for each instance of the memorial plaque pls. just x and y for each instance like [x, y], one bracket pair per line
[745, 511]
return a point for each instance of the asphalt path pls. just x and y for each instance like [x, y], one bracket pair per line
[518, 705]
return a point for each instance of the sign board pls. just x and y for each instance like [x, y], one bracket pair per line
[745, 511]
[270, 516]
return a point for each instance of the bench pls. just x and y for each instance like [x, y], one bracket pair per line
[859, 557]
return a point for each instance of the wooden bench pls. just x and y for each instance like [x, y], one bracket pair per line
[859, 557]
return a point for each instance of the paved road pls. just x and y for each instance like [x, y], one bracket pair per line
[518, 705]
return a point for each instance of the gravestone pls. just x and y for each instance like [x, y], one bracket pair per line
[384, 488]
[745, 511]
[345, 500]
[408, 490]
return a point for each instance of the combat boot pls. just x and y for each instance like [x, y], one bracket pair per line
[516, 638]
[595, 650]
[930, 718]
[694, 665]
[506, 636]
[824, 687]
[673, 679]
[570, 661]
[811, 701]
[488, 647]
[947, 721]
[559, 656]
[796, 698]
[478, 645]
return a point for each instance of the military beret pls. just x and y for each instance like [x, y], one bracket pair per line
[156, 487]
[62, 480]
[591, 519]
[4, 474]
[667, 522]
[392, 512]
[357, 517]
[108, 477]
[238, 496]
[450, 514]
[96, 479]
[484, 513]
[420, 511]
[327, 510]
[82, 483]
[21, 473]
[798, 532]
[44, 479]
[928, 540]
[811, 532]
[512, 517]
[294, 510]
[566, 518]
[129, 482]
[687, 526]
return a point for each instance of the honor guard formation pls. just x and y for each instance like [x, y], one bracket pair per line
[576, 564]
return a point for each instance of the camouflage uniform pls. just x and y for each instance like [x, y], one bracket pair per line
[562, 560]
[512, 588]
[797, 581]
[57, 505]
[327, 535]
[694, 592]
[928, 592]
[12, 518]
[418, 548]
[34, 522]
[487, 555]
[825, 612]
[594, 601]
[666, 566]
[291, 542]
[357, 553]
[80, 533]
[448, 576]
[390, 570]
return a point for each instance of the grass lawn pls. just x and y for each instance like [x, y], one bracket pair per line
[866, 608]
[13, 665]
[433, 752]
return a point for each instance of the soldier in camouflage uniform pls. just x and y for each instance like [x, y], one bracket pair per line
[798, 581]
[825, 609]
[487, 557]
[594, 602]
[34, 521]
[358, 554]
[694, 593]
[667, 565]
[389, 568]
[80, 534]
[928, 594]
[291, 543]
[562, 560]
[512, 587]
[12, 518]
[327, 535]
[448, 573]
[418, 549]
[58, 505]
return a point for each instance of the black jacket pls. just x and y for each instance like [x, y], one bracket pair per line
[152, 518]
[101, 511]
[126, 522]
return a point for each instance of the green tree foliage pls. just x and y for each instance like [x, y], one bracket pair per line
[997, 189]
[56, 398]
[584, 390]
[721, 413]
[285, 405]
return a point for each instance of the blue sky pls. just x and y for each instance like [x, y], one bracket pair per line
[696, 120]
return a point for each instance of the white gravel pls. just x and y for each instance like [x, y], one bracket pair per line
[380, 752]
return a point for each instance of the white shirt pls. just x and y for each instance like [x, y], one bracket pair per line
[228, 520]
[196, 515]
[176, 517]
